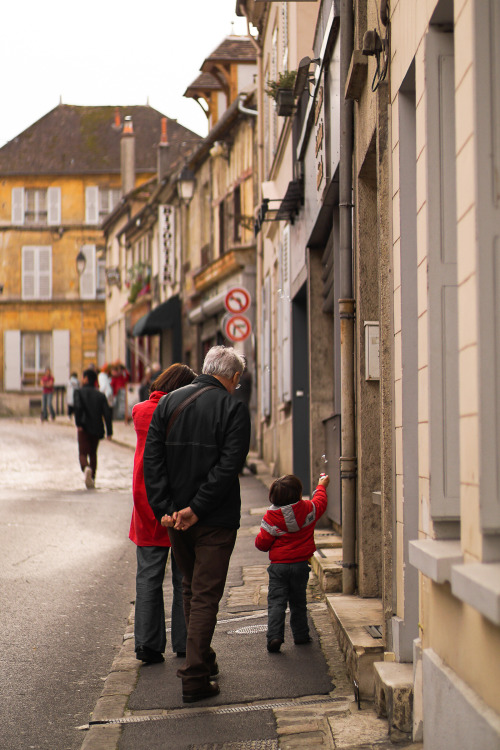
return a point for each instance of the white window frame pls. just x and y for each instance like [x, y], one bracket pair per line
[52, 214]
[40, 366]
[36, 272]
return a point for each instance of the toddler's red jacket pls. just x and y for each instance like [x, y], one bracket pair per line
[287, 532]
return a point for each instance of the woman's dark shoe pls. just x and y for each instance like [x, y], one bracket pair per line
[143, 653]
[209, 691]
[302, 641]
[274, 645]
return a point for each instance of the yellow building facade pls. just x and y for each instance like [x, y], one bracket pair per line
[58, 182]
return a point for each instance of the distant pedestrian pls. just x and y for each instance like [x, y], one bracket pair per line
[287, 533]
[104, 380]
[73, 384]
[144, 388]
[47, 383]
[153, 542]
[196, 445]
[91, 413]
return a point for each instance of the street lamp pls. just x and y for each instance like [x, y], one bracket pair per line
[81, 262]
[185, 185]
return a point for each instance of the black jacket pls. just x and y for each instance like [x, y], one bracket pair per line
[199, 463]
[91, 408]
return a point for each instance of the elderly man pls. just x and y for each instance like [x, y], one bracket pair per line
[196, 447]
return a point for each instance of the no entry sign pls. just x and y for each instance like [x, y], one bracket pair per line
[237, 328]
[237, 300]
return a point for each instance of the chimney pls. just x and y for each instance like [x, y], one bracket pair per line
[163, 149]
[118, 121]
[127, 156]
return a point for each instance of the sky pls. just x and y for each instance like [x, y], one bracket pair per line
[107, 52]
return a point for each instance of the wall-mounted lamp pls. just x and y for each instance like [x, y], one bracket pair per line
[1, 288]
[185, 185]
[81, 262]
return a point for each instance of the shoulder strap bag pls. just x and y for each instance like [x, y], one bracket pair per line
[183, 404]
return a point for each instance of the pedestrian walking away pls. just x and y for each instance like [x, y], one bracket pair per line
[287, 533]
[153, 542]
[73, 384]
[47, 383]
[91, 413]
[196, 446]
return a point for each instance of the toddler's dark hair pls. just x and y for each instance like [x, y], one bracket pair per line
[285, 490]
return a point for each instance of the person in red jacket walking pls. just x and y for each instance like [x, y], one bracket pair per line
[287, 533]
[152, 540]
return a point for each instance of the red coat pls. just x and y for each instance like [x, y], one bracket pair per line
[287, 532]
[145, 530]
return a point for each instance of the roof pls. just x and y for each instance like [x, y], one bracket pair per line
[204, 83]
[74, 139]
[234, 49]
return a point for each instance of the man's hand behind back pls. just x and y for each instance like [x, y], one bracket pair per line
[180, 520]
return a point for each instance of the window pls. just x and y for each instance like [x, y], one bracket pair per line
[99, 203]
[36, 206]
[101, 278]
[222, 228]
[284, 306]
[237, 214]
[35, 357]
[37, 272]
[88, 279]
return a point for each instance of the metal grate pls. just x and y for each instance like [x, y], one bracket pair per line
[374, 630]
[188, 713]
[245, 745]
[249, 629]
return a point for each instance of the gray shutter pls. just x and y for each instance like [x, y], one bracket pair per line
[18, 205]
[266, 349]
[444, 448]
[60, 356]
[92, 205]
[88, 277]
[12, 360]
[287, 319]
[54, 206]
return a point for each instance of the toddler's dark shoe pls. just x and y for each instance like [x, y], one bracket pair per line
[302, 641]
[274, 645]
[143, 653]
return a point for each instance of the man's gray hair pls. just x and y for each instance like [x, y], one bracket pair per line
[224, 361]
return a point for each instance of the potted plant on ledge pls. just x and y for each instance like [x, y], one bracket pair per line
[282, 92]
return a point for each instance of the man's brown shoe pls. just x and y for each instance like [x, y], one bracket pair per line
[210, 691]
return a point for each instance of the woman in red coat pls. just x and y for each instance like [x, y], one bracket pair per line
[152, 540]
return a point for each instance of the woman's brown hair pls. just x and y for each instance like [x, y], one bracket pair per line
[172, 378]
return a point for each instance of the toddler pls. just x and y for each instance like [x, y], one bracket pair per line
[287, 533]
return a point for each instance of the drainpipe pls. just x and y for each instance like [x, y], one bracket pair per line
[346, 310]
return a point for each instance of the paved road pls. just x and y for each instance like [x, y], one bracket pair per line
[66, 581]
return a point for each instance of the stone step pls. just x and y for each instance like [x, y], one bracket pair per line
[327, 565]
[394, 697]
[351, 617]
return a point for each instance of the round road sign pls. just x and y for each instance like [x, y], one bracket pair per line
[237, 328]
[237, 300]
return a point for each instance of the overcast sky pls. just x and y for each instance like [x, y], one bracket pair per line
[100, 52]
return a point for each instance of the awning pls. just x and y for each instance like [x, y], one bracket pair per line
[166, 315]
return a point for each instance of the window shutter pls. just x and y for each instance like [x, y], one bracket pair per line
[88, 277]
[12, 359]
[92, 205]
[286, 333]
[44, 273]
[284, 35]
[54, 205]
[60, 349]
[444, 450]
[18, 205]
[266, 349]
[29, 272]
